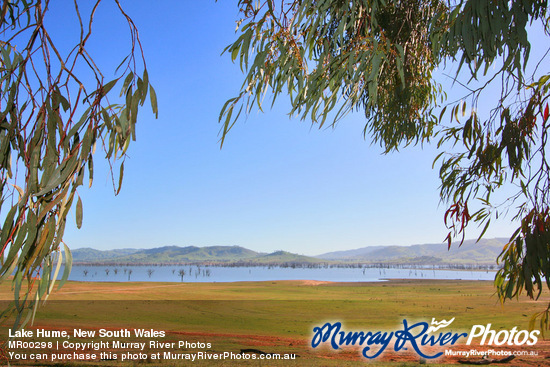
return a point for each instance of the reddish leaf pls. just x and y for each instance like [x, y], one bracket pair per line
[448, 239]
[546, 113]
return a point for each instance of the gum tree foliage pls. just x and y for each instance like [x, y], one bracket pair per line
[331, 57]
[56, 108]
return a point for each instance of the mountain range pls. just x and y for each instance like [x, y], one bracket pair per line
[483, 252]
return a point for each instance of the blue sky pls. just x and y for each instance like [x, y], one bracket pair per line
[277, 184]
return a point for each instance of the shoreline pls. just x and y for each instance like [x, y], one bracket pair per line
[351, 265]
[75, 286]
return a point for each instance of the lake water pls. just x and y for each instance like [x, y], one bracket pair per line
[172, 273]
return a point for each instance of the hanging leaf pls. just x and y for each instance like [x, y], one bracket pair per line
[68, 266]
[79, 213]
[153, 97]
[107, 87]
[120, 176]
[126, 84]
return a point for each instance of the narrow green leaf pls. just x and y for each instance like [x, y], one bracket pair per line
[134, 111]
[68, 266]
[121, 175]
[234, 53]
[9, 271]
[484, 230]
[126, 83]
[107, 87]
[122, 62]
[145, 78]
[79, 124]
[442, 113]
[56, 272]
[18, 279]
[79, 213]
[8, 225]
[64, 103]
[91, 170]
[153, 97]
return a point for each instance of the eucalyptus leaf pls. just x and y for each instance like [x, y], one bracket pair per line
[79, 213]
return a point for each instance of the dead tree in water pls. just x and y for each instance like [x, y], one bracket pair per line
[181, 274]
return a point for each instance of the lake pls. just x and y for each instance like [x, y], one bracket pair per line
[193, 273]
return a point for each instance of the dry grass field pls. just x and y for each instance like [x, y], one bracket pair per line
[279, 317]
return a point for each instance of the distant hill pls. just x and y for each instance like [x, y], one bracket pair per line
[349, 254]
[284, 257]
[90, 254]
[189, 254]
[484, 252]
[167, 254]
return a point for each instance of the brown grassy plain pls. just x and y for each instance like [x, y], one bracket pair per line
[278, 317]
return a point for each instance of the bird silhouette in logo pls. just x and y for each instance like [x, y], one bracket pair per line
[439, 325]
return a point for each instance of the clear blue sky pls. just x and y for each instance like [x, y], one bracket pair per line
[276, 184]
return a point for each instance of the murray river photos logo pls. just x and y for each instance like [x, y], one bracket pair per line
[418, 336]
